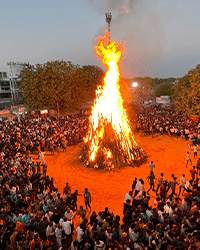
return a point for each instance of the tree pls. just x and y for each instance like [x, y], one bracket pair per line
[94, 76]
[164, 89]
[57, 84]
[187, 93]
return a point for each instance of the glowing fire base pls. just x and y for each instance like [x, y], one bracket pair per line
[111, 154]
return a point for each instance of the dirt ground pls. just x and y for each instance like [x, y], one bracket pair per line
[109, 188]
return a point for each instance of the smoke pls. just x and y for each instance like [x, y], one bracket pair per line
[103, 6]
[137, 24]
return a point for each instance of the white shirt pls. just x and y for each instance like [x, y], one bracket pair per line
[99, 245]
[151, 166]
[149, 214]
[137, 186]
[127, 197]
[41, 156]
[187, 185]
[182, 181]
[133, 236]
[50, 231]
[195, 148]
[67, 227]
[80, 233]
[69, 215]
[142, 188]
[160, 216]
[58, 232]
[167, 209]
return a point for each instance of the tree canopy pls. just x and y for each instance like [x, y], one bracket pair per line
[187, 93]
[164, 89]
[59, 84]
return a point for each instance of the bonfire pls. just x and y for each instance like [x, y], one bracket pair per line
[110, 142]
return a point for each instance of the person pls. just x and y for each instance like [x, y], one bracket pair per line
[69, 214]
[182, 184]
[193, 173]
[66, 225]
[99, 244]
[188, 159]
[137, 187]
[134, 184]
[67, 189]
[59, 234]
[171, 178]
[41, 156]
[198, 166]
[87, 198]
[151, 178]
[128, 196]
[173, 186]
[151, 166]
[126, 206]
[44, 169]
[195, 150]
[163, 191]
[160, 182]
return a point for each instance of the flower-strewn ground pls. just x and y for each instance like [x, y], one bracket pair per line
[109, 188]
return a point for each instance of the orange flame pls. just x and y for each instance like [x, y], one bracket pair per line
[108, 106]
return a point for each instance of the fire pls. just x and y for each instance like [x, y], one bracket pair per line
[109, 134]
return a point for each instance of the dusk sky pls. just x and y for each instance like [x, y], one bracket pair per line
[161, 37]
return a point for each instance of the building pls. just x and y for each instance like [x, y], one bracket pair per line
[14, 70]
[8, 83]
[164, 100]
[4, 86]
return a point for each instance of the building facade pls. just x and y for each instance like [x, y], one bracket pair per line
[8, 82]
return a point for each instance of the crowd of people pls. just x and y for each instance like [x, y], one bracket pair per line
[34, 215]
[151, 120]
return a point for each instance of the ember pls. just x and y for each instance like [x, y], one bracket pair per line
[110, 142]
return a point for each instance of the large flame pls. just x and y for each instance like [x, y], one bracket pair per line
[108, 109]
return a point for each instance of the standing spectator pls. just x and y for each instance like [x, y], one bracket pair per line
[128, 196]
[87, 198]
[169, 182]
[137, 187]
[182, 184]
[134, 184]
[163, 191]
[80, 233]
[195, 150]
[151, 166]
[198, 166]
[160, 182]
[67, 189]
[99, 244]
[193, 173]
[188, 159]
[151, 178]
[66, 225]
[41, 156]
[173, 186]
[51, 185]
[58, 234]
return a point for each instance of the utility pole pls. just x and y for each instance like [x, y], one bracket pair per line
[108, 20]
